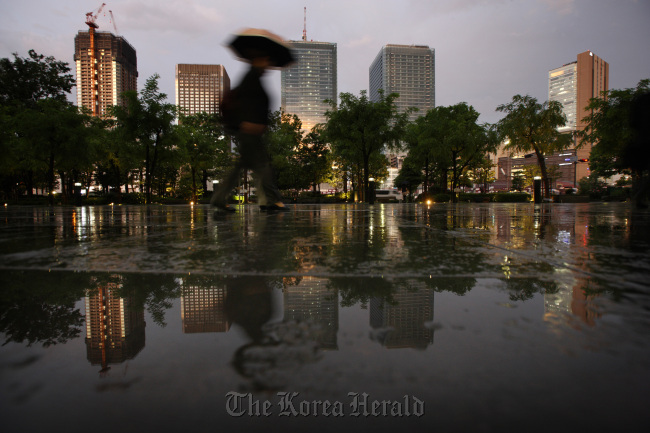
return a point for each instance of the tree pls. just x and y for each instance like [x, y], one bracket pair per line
[359, 129]
[313, 156]
[532, 127]
[452, 138]
[409, 177]
[204, 147]
[285, 137]
[618, 128]
[146, 122]
[32, 90]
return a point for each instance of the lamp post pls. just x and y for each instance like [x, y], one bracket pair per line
[371, 190]
[77, 193]
[537, 189]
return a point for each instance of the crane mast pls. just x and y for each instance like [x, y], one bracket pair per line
[91, 17]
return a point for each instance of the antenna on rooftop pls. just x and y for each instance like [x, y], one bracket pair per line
[304, 29]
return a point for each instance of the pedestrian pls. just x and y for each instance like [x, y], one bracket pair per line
[249, 117]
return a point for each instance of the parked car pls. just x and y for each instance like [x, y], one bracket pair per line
[388, 195]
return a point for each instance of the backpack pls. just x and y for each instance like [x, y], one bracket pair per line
[229, 110]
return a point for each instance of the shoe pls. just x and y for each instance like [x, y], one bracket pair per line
[276, 208]
[225, 207]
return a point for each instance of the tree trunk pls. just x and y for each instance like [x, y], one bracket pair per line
[50, 180]
[542, 168]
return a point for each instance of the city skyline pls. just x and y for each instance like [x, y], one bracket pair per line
[486, 51]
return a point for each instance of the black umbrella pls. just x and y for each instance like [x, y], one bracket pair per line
[251, 43]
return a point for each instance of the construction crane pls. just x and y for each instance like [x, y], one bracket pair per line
[91, 17]
[113, 21]
[304, 29]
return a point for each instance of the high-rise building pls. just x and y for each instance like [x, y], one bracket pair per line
[404, 318]
[199, 88]
[574, 84]
[312, 301]
[308, 82]
[202, 307]
[115, 328]
[408, 70]
[113, 72]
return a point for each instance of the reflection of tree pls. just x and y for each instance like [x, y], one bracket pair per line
[362, 289]
[155, 292]
[44, 310]
[524, 289]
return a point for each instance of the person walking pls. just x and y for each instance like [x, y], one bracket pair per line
[248, 116]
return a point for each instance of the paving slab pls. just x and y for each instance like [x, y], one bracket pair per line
[449, 317]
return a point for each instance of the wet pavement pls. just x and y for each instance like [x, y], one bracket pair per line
[489, 317]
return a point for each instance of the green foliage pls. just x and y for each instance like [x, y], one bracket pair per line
[619, 130]
[409, 177]
[41, 133]
[359, 130]
[532, 127]
[145, 124]
[203, 148]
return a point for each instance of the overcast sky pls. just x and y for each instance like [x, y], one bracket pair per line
[486, 50]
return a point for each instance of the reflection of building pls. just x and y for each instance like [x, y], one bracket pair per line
[200, 88]
[408, 70]
[115, 331]
[407, 316]
[312, 301]
[116, 70]
[202, 309]
[308, 82]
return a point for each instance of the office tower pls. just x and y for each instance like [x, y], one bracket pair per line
[199, 88]
[312, 301]
[408, 70]
[404, 319]
[202, 306]
[115, 330]
[308, 82]
[100, 83]
[574, 84]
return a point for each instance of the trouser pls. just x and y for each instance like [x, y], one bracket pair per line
[252, 156]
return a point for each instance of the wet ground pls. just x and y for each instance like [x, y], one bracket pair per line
[495, 317]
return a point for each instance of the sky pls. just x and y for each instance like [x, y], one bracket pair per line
[486, 51]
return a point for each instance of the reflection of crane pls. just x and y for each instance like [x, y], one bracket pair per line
[91, 17]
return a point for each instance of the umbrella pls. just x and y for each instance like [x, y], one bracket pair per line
[251, 43]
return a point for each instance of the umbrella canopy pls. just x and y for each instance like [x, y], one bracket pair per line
[251, 43]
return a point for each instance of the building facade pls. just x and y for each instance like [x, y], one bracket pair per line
[200, 88]
[115, 70]
[408, 70]
[307, 83]
[574, 84]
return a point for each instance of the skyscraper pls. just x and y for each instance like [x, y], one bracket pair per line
[574, 84]
[115, 70]
[308, 82]
[408, 70]
[199, 88]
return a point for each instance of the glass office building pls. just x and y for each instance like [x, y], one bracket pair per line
[562, 87]
[308, 82]
[408, 70]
